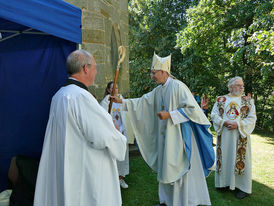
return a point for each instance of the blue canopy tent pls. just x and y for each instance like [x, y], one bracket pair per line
[36, 36]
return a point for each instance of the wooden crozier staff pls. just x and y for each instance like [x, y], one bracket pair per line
[122, 55]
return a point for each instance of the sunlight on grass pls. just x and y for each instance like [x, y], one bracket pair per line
[143, 186]
[263, 160]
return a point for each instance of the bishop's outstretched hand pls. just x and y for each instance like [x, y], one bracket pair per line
[163, 115]
[115, 99]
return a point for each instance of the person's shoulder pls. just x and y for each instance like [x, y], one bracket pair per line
[178, 83]
[105, 99]
[73, 92]
[156, 88]
[74, 89]
[224, 95]
[222, 98]
[247, 99]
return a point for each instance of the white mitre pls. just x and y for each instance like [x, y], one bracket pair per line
[159, 63]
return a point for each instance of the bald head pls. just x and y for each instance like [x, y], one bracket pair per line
[77, 60]
[81, 65]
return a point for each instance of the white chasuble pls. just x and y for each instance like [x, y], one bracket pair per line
[161, 142]
[233, 150]
[81, 146]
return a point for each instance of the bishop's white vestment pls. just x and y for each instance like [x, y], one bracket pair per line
[170, 147]
[81, 146]
[233, 150]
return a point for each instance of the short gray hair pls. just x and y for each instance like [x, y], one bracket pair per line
[76, 60]
[231, 81]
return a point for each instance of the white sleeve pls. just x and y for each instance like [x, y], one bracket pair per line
[105, 102]
[247, 125]
[98, 128]
[177, 117]
[218, 122]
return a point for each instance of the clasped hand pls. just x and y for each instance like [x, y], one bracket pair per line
[231, 125]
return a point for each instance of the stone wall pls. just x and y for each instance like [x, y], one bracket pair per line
[104, 29]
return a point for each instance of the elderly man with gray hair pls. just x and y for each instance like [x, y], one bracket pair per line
[234, 119]
[81, 145]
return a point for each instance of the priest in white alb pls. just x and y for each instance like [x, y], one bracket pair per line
[234, 119]
[173, 136]
[81, 145]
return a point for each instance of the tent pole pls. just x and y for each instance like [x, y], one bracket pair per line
[16, 34]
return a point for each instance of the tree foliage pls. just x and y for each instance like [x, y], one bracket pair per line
[233, 37]
[153, 28]
[210, 41]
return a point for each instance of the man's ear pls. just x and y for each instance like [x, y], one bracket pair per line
[85, 68]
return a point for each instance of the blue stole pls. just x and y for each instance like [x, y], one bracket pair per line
[203, 139]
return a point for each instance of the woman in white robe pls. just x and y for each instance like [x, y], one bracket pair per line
[123, 166]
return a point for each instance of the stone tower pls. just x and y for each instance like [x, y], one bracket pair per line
[104, 29]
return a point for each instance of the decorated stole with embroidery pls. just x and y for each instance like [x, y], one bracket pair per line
[117, 115]
[242, 141]
[220, 104]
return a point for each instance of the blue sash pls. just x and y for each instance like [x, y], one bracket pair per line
[203, 139]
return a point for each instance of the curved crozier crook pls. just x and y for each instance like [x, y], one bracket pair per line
[122, 54]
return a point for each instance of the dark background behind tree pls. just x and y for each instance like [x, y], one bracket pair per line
[210, 42]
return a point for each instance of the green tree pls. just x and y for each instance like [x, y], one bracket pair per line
[153, 28]
[216, 40]
[228, 38]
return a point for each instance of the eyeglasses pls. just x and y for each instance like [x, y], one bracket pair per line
[154, 72]
[239, 85]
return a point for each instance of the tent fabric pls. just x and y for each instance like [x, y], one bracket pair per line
[53, 17]
[32, 69]
[28, 80]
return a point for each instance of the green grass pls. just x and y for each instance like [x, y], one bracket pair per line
[143, 186]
